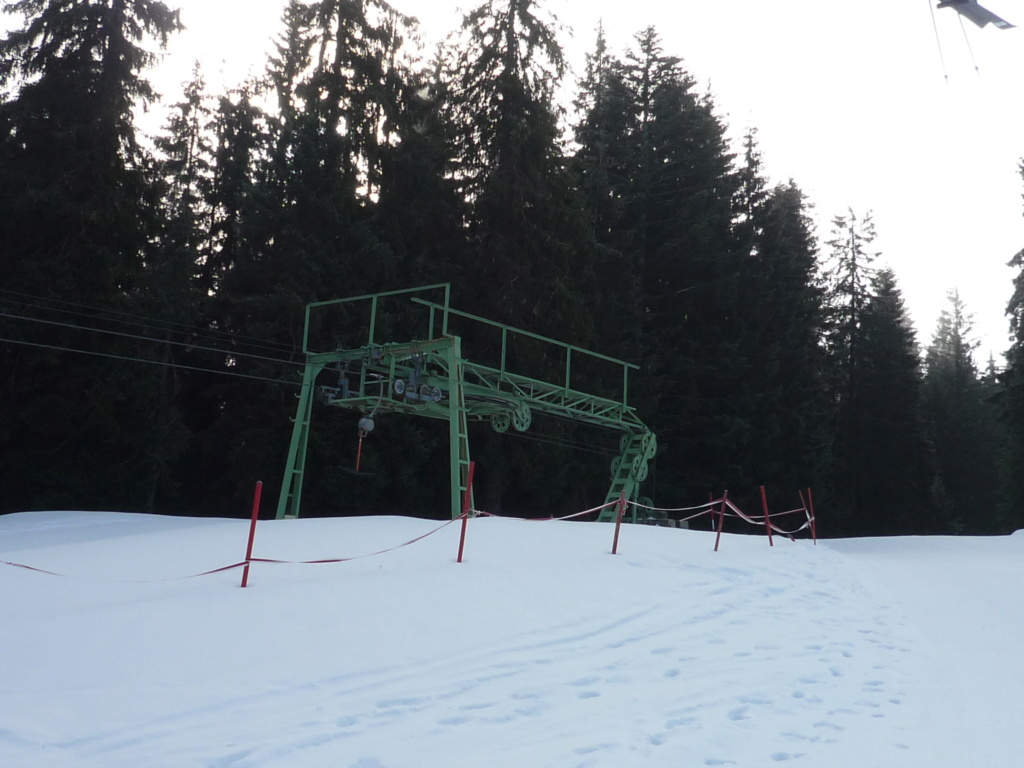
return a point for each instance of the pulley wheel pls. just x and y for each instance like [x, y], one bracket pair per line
[522, 418]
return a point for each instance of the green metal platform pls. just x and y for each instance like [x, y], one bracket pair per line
[429, 376]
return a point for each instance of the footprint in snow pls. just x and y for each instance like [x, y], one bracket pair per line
[831, 726]
[392, 703]
[740, 713]
[471, 707]
[229, 760]
[592, 749]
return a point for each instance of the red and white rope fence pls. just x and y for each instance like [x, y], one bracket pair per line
[722, 507]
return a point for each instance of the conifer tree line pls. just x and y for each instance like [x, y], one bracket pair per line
[153, 287]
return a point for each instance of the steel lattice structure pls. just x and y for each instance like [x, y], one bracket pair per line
[429, 376]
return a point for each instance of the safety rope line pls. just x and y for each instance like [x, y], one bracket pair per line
[787, 512]
[29, 568]
[234, 566]
[709, 508]
[740, 514]
[231, 567]
[358, 557]
[675, 509]
[481, 513]
[694, 517]
[681, 519]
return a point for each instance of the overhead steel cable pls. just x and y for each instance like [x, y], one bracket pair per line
[150, 322]
[121, 334]
[193, 332]
[938, 42]
[967, 40]
[149, 362]
[563, 443]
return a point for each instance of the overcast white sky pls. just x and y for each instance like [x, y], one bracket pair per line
[849, 99]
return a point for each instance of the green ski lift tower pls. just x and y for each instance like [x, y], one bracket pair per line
[428, 376]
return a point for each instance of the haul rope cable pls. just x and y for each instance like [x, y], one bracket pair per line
[575, 445]
[150, 322]
[968, 41]
[149, 362]
[938, 42]
[122, 334]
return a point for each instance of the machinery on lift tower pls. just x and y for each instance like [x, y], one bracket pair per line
[972, 10]
[428, 376]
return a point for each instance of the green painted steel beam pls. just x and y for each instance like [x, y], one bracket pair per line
[430, 378]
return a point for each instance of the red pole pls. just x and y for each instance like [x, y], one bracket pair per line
[465, 509]
[814, 519]
[721, 519]
[767, 520]
[252, 531]
[359, 450]
[621, 507]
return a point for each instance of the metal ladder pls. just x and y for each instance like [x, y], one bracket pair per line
[629, 470]
[457, 426]
[291, 492]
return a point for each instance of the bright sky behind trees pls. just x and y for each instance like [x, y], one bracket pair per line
[857, 105]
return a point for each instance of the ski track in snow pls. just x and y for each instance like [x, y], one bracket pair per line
[541, 650]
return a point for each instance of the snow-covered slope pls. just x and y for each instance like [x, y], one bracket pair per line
[541, 649]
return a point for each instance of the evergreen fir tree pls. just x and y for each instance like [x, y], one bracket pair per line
[604, 166]
[79, 215]
[892, 450]
[299, 195]
[531, 258]
[680, 211]
[962, 422]
[849, 277]
[1012, 402]
[782, 317]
